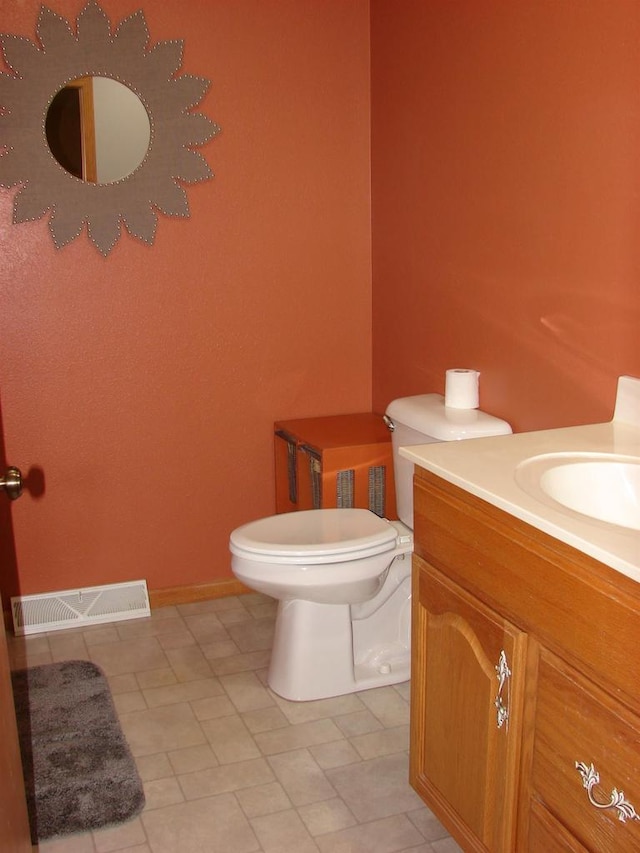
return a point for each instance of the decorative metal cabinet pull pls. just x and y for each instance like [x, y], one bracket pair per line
[591, 777]
[503, 672]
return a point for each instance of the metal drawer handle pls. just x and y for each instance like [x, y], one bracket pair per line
[591, 777]
[503, 672]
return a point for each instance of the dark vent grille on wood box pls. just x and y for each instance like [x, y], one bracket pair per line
[335, 461]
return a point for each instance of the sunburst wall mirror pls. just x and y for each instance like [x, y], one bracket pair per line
[98, 128]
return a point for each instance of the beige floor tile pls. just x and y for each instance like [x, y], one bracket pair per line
[241, 663]
[446, 845]
[188, 663]
[162, 729]
[153, 627]
[68, 646]
[68, 844]
[388, 835]
[219, 649]
[191, 759]
[267, 610]
[263, 799]
[376, 788]
[119, 837]
[234, 616]
[210, 825]
[301, 777]
[246, 692]
[212, 707]
[28, 660]
[358, 723]
[403, 690]
[28, 651]
[206, 627]
[327, 816]
[167, 612]
[385, 742]
[338, 753]
[387, 705]
[156, 678]
[230, 739]
[283, 832]
[187, 691]
[253, 634]
[231, 777]
[123, 683]
[99, 634]
[35, 644]
[265, 719]
[155, 766]
[133, 701]
[177, 641]
[428, 824]
[262, 673]
[296, 737]
[162, 792]
[305, 712]
[130, 656]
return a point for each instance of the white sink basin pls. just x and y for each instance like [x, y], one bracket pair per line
[605, 487]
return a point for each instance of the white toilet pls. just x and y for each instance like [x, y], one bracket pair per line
[343, 576]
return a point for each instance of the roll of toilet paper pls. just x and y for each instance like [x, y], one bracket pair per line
[461, 388]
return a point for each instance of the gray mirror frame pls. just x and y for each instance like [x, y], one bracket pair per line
[175, 131]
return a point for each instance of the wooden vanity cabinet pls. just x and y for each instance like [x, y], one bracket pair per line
[525, 715]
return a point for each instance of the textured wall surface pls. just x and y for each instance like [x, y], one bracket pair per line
[506, 202]
[144, 386]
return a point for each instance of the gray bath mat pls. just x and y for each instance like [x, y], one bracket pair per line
[79, 771]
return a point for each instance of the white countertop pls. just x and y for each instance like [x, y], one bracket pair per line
[486, 468]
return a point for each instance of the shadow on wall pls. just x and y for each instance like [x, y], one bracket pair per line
[34, 485]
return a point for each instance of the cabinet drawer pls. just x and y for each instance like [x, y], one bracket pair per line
[548, 834]
[576, 723]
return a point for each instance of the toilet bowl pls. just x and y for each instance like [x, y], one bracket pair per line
[342, 577]
[329, 569]
[302, 555]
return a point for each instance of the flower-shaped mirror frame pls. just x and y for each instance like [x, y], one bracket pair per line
[64, 56]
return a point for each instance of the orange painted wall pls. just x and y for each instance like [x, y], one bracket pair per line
[506, 202]
[144, 386]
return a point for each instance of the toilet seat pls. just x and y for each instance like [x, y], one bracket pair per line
[314, 536]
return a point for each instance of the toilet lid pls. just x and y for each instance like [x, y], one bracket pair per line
[320, 535]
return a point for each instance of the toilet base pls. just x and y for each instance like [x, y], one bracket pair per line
[313, 654]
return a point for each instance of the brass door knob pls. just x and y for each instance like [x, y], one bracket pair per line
[12, 483]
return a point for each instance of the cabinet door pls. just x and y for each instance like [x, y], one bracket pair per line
[467, 698]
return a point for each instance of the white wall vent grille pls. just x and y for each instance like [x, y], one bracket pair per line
[53, 611]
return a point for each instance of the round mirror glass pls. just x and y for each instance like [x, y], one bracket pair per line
[98, 129]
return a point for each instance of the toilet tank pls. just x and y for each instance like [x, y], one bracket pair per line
[424, 419]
